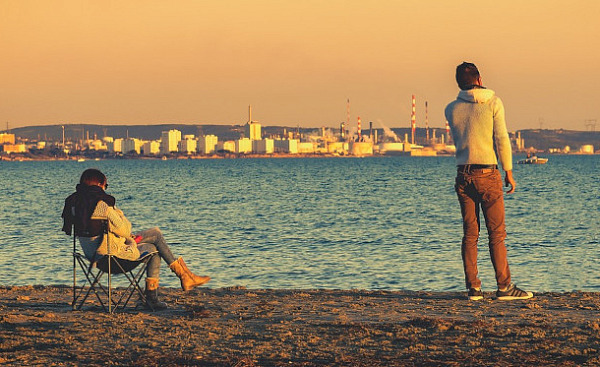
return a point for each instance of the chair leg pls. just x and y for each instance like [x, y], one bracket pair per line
[104, 293]
[92, 279]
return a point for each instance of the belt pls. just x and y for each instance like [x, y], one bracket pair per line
[476, 168]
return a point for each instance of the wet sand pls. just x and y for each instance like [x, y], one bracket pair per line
[249, 327]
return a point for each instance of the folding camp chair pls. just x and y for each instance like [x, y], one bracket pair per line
[109, 265]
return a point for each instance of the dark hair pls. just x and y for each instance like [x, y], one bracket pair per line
[92, 176]
[466, 75]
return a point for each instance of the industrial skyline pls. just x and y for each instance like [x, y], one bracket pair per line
[297, 63]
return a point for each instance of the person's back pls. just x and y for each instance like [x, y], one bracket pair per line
[476, 119]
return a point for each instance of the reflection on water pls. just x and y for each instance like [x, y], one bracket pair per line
[372, 223]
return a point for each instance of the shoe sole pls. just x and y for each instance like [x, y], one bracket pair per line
[513, 298]
[475, 298]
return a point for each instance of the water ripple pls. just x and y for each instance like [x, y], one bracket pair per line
[372, 223]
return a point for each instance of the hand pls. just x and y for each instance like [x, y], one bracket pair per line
[510, 182]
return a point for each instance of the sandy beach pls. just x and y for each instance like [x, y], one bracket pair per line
[249, 327]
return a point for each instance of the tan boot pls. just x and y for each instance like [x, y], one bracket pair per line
[151, 295]
[188, 279]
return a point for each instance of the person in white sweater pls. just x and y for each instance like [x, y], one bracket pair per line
[478, 126]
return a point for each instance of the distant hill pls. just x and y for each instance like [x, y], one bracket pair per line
[545, 139]
[540, 139]
[145, 132]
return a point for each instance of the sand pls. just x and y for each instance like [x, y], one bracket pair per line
[250, 327]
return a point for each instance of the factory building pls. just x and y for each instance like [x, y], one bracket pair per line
[337, 147]
[360, 148]
[14, 148]
[6, 138]
[306, 147]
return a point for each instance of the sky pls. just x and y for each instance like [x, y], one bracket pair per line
[296, 62]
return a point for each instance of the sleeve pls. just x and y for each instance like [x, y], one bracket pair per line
[118, 223]
[501, 139]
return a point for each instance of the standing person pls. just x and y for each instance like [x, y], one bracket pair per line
[476, 119]
[93, 205]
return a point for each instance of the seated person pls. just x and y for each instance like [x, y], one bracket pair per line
[90, 206]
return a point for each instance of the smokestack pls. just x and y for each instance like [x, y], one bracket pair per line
[371, 130]
[348, 113]
[426, 122]
[359, 129]
[413, 118]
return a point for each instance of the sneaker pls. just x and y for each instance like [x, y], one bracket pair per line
[475, 294]
[512, 292]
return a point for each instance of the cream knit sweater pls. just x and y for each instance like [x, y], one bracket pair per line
[119, 235]
[476, 119]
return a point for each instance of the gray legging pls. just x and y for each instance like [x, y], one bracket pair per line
[153, 240]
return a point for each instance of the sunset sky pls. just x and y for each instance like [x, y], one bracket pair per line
[296, 62]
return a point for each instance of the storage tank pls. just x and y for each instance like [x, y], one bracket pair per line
[361, 148]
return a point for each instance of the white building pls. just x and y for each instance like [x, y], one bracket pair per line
[151, 147]
[115, 146]
[226, 146]
[252, 128]
[169, 140]
[587, 149]
[207, 144]
[131, 144]
[264, 146]
[306, 147]
[188, 145]
[97, 145]
[14, 148]
[289, 146]
[6, 138]
[243, 146]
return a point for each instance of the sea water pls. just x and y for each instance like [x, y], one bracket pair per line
[368, 223]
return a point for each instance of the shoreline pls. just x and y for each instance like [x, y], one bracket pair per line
[236, 326]
[200, 157]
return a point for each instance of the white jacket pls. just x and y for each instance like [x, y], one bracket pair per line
[476, 119]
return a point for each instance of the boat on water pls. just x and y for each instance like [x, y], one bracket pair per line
[533, 160]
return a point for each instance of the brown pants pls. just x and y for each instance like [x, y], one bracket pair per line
[477, 189]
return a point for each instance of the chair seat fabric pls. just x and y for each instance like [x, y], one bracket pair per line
[125, 265]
